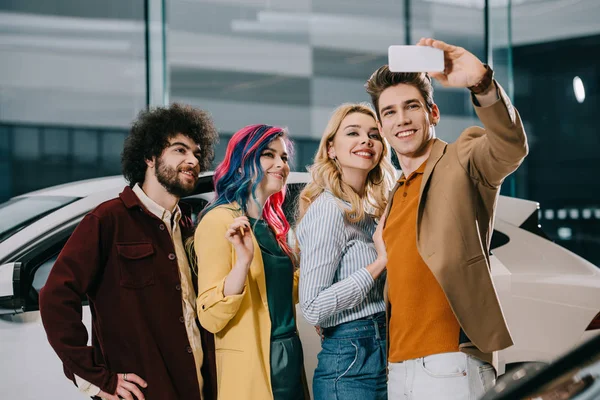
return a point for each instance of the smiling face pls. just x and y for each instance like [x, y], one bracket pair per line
[177, 168]
[357, 144]
[406, 121]
[274, 163]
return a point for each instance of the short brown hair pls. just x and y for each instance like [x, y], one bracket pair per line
[383, 78]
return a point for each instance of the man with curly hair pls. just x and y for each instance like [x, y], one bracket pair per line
[127, 259]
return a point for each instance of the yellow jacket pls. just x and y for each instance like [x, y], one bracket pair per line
[241, 323]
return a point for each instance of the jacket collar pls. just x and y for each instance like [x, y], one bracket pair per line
[437, 151]
[130, 200]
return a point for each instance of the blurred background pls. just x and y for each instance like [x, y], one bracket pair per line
[74, 74]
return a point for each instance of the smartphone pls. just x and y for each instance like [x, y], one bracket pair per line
[415, 59]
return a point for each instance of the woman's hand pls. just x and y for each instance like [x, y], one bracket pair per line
[378, 239]
[240, 236]
[379, 265]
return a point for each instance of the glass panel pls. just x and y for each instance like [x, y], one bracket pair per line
[55, 142]
[554, 51]
[85, 146]
[5, 162]
[112, 145]
[26, 143]
[281, 62]
[18, 213]
[459, 23]
[501, 61]
[67, 64]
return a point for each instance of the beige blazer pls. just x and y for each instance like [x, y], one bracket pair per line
[455, 219]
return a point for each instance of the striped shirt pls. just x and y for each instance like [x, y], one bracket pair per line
[335, 286]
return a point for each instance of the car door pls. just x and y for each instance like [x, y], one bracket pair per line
[34, 370]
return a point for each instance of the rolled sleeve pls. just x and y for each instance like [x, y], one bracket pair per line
[85, 387]
[215, 260]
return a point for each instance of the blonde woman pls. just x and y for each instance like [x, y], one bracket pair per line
[342, 256]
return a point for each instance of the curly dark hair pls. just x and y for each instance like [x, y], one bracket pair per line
[152, 130]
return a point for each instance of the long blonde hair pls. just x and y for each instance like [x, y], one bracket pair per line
[326, 175]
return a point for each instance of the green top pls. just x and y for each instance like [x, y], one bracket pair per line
[279, 275]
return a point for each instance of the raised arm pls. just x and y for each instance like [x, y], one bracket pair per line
[217, 269]
[491, 155]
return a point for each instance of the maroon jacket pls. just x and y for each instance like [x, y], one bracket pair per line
[122, 260]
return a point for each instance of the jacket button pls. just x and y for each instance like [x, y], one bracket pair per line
[404, 194]
[171, 256]
[161, 227]
[181, 319]
[178, 287]
[203, 306]
[189, 349]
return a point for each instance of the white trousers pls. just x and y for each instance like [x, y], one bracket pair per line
[446, 376]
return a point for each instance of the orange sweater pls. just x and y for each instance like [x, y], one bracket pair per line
[422, 322]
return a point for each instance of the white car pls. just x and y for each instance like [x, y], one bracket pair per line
[550, 296]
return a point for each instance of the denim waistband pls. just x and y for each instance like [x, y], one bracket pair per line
[373, 325]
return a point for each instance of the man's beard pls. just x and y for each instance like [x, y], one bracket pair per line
[169, 178]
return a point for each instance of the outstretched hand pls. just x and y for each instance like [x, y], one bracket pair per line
[461, 67]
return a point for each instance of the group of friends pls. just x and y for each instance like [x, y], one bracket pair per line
[393, 273]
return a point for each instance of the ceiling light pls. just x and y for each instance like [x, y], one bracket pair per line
[578, 89]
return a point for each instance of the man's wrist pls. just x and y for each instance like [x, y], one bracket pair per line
[485, 84]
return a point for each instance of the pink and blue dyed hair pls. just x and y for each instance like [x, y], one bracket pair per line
[239, 174]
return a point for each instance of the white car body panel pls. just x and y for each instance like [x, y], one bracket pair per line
[553, 296]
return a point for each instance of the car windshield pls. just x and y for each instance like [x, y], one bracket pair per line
[17, 213]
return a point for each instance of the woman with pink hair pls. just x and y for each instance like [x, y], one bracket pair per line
[247, 275]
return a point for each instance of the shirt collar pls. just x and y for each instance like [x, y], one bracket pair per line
[418, 171]
[156, 209]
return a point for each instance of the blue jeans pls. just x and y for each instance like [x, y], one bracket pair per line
[352, 361]
[447, 376]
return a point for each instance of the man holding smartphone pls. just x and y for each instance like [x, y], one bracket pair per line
[444, 319]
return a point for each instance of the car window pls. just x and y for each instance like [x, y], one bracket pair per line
[41, 273]
[197, 203]
[17, 213]
[291, 201]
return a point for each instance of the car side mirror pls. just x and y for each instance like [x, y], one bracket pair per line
[11, 299]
